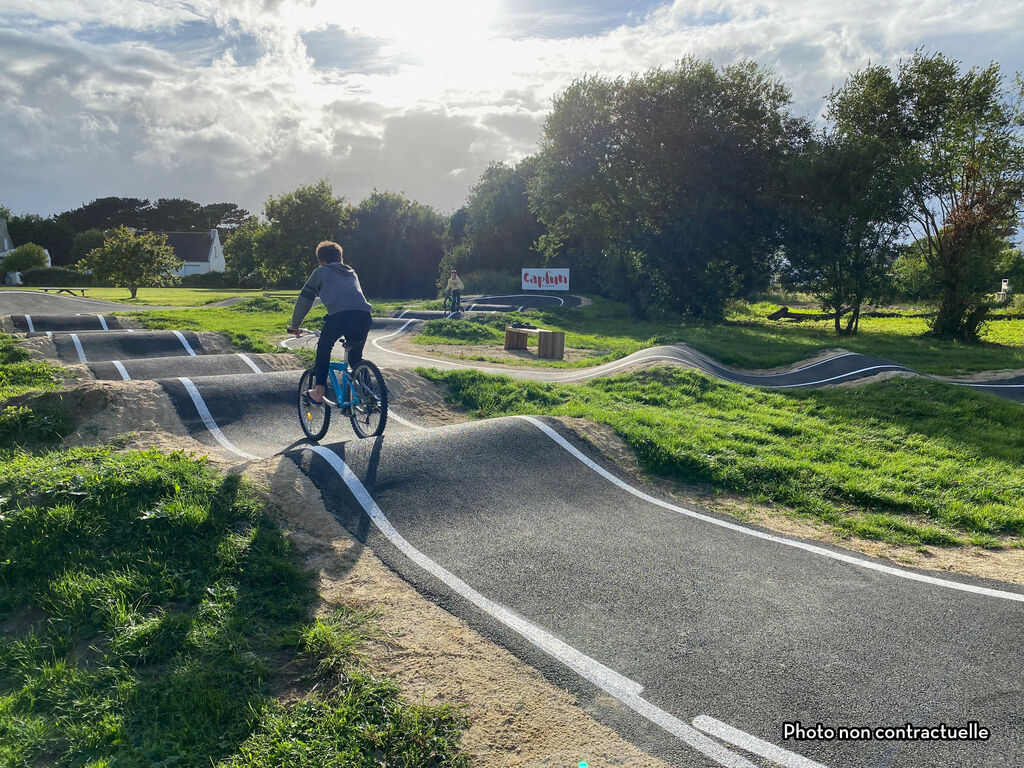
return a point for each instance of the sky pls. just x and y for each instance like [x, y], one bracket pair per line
[238, 100]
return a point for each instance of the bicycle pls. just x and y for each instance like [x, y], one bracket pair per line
[362, 396]
[452, 303]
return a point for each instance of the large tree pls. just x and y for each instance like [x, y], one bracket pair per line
[242, 254]
[499, 231]
[297, 222]
[668, 182]
[845, 223]
[51, 233]
[133, 259]
[395, 244]
[957, 139]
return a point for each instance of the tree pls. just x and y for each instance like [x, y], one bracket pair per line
[500, 231]
[133, 259]
[106, 213]
[298, 221]
[957, 139]
[845, 228]
[395, 245]
[23, 258]
[666, 184]
[85, 242]
[51, 233]
[242, 254]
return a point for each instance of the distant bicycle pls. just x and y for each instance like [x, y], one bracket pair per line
[361, 395]
[452, 302]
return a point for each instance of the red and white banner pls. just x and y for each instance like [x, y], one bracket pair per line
[545, 279]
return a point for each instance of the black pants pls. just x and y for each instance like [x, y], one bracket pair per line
[353, 324]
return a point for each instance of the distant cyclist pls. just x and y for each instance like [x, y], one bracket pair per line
[348, 312]
[454, 289]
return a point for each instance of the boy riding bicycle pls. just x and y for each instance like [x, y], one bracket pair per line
[454, 289]
[348, 312]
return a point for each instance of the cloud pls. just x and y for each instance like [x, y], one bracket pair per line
[241, 99]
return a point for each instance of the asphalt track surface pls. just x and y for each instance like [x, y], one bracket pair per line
[831, 371]
[695, 637]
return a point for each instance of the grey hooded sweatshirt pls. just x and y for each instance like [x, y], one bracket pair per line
[338, 287]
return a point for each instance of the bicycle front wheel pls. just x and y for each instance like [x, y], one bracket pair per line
[370, 415]
[314, 417]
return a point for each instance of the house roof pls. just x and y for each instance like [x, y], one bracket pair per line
[190, 246]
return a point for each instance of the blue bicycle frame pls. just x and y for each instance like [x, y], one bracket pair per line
[340, 388]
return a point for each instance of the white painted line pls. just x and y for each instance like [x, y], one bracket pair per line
[121, 369]
[401, 314]
[900, 573]
[400, 420]
[520, 309]
[892, 367]
[130, 330]
[103, 322]
[471, 307]
[982, 384]
[622, 688]
[78, 348]
[250, 363]
[49, 334]
[376, 343]
[28, 321]
[185, 343]
[211, 425]
[752, 744]
[712, 362]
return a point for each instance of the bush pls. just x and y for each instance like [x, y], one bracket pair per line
[23, 258]
[57, 277]
[204, 280]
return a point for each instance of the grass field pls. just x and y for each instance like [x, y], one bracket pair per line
[747, 339]
[255, 325]
[902, 461]
[171, 297]
[152, 616]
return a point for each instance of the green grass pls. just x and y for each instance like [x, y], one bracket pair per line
[607, 337]
[171, 297]
[20, 374]
[151, 614]
[905, 461]
[750, 340]
[255, 325]
[24, 425]
[746, 339]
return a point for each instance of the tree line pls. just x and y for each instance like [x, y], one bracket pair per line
[688, 187]
[70, 235]
[683, 188]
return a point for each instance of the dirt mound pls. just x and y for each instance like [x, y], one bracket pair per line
[104, 410]
[420, 401]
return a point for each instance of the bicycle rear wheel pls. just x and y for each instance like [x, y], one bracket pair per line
[370, 415]
[315, 418]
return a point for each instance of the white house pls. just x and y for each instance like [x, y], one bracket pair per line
[201, 251]
[6, 244]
